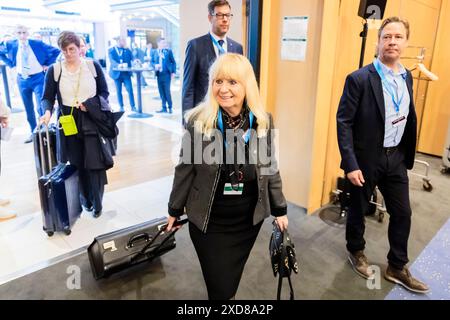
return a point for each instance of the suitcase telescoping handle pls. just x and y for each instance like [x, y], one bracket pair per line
[41, 149]
[161, 230]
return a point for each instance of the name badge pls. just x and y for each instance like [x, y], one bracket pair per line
[398, 122]
[229, 191]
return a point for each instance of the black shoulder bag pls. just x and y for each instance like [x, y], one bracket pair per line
[282, 256]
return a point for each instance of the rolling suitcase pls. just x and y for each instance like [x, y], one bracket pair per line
[59, 194]
[49, 144]
[119, 250]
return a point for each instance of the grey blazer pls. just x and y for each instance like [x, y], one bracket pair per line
[194, 185]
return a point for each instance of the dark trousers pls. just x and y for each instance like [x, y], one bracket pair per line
[164, 79]
[392, 180]
[126, 80]
[92, 187]
[32, 84]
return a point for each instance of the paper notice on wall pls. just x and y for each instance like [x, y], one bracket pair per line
[294, 38]
[293, 49]
[295, 27]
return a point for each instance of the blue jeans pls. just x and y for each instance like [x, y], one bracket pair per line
[164, 80]
[126, 80]
[34, 83]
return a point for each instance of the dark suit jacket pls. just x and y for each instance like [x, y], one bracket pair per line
[200, 55]
[114, 58]
[46, 55]
[169, 65]
[361, 122]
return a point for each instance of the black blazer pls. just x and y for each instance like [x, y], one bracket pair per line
[361, 122]
[200, 55]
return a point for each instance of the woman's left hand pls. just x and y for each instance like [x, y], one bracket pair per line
[82, 108]
[282, 222]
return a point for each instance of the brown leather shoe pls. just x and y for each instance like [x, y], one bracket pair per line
[404, 278]
[359, 263]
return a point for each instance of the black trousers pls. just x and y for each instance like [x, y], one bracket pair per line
[392, 180]
[92, 187]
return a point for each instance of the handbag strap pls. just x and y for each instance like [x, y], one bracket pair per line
[280, 278]
[280, 285]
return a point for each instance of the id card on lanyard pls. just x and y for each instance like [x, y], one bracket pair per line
[237, 189]
[397, 102]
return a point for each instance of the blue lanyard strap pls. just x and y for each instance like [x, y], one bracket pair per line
[216, 43]
[388, 86]
[247, 134]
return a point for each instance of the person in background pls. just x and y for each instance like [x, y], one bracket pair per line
[31, 59]
[80, 93]
[4, 119]
[165, 67]
[83, 47]
[201, 53]
[118, 56]
[89, 51]
[138, 60]
[227, 199]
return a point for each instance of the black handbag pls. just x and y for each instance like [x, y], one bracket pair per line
[282, 257]
[122, 249]
[107, 151]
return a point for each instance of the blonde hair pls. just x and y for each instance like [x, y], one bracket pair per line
[236, 67]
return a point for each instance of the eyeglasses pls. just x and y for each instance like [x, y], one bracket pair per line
[222, 16]
[21, 32]
[69, 50]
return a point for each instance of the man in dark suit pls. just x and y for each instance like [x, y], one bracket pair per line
[202, 52]
[32, 58]
[165, 67]
[376, 124]
[120, 56]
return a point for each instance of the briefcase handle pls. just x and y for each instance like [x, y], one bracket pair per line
[138, 237]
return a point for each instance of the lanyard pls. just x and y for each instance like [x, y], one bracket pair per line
[216, 43]
[247, 134]
[119, 54]
[388, 86]
[76, 90]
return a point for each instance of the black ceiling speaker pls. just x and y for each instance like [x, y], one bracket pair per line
[372, 9]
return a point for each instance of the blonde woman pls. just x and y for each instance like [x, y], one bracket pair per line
[227, 197]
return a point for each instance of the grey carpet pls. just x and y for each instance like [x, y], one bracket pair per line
[324, 270]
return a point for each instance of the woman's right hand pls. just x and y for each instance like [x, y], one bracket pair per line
[170, 223]
[46, 117]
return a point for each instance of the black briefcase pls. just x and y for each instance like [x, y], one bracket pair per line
[118, 250]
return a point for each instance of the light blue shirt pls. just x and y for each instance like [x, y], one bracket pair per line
[397, 86]
[224, 46]
[30, 65]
